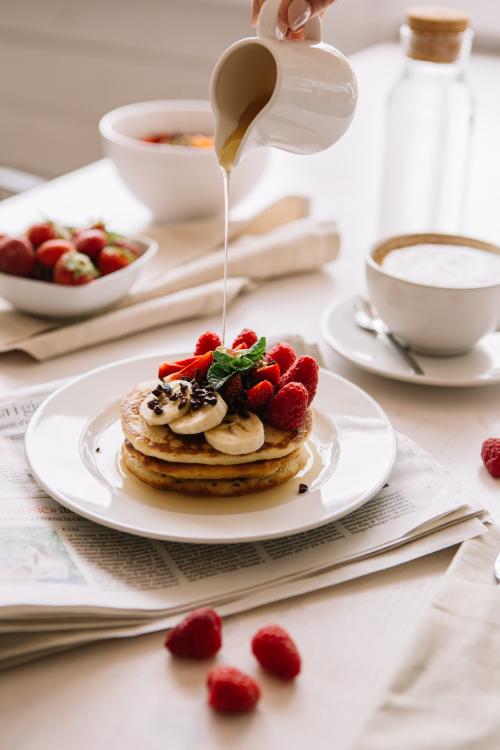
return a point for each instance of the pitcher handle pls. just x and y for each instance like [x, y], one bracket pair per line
[268, 17]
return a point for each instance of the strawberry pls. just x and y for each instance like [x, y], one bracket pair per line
[207, 342]
[490, 453]
[268, 372]
[198, 636]
[283, 354]
[168, 368]
[304, 370]
[276, 652]
[246, 336]
[231, 691]
[259, 396]
[17, 256]
[197, 369]
[91, 242]
[40, 233]
[288, 408]
[112, 258]
[74, 269]
[49, 252]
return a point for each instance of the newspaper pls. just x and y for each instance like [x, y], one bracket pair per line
[66, 581]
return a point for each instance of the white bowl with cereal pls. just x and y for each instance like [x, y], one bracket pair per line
[163, 151]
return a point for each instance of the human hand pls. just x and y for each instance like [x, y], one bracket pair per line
[293, 15]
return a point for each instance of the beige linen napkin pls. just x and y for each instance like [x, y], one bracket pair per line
[446, 695]
[279, 240]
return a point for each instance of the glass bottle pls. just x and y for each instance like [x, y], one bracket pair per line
[429, 127]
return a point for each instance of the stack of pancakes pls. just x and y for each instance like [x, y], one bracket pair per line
[188, 464]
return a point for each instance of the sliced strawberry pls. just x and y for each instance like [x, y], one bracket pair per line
[168, 368]
[196, 369]
[268, 372]
[260, 395]
[240, 347]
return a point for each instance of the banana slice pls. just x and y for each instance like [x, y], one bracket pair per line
[169, 402]
[202, 419]
[237, 435]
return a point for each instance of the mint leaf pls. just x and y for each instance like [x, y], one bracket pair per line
[225, 365]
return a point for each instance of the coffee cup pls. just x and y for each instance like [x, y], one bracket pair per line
[304, 90]
[438, 306]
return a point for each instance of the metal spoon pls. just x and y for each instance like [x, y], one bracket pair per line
[367, 320]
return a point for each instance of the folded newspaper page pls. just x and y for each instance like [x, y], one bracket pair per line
[54, 563]
[21, 647]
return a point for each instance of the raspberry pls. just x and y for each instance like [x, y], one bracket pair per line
[231, 691]
[288, 407]
[490, 453]
[305, 371]
[269, 372]
[283, 354]
[207, 342]
[276, 652]
[259, 396]
[198, 636]
[246, 336]
[232, 389]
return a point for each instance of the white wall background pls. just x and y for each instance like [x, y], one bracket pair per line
[66, 62]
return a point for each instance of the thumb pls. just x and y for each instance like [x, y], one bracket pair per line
[295, 13]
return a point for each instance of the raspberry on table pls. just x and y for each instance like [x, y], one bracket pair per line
[276, 652]
[260, 395]
[198, 636]
[207, 342]
[246, 336]
[231, 691]
[283, 354]
[305, 370]
[490, 453]
[288, 408]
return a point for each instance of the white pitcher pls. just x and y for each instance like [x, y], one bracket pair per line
[305, 90]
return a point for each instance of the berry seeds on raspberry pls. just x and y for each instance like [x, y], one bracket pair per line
[276, 652]
[198, 636]
[305, 370]
[231, 691]
[288, 408]
[207, 342]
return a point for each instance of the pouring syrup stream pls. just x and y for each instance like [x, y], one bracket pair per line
[226, 160]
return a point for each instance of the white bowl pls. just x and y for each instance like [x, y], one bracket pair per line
[174, 182]
[435, 320]
[52, 300]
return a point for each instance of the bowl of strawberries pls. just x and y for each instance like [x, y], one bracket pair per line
[59, 271]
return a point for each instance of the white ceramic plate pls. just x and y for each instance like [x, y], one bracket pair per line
[73, 450]
[480, 366]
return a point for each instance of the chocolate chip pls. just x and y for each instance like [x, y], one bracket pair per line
[303, 488]
[158, 391]
[97, 450]
[158, 410]
[152, 403]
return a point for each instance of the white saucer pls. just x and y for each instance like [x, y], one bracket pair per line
[481, 366]
[73, 450]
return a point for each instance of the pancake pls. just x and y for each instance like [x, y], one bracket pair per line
[207, 471]
[160, 442]
[288, 468]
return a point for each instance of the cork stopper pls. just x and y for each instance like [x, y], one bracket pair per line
[436, 33]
